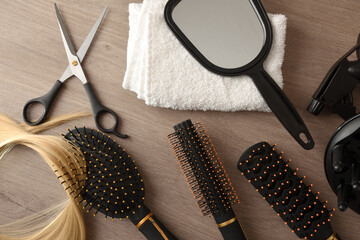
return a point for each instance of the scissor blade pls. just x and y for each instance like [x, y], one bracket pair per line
[64, 34]
[74, 62]
[90, 37]
[84, 46]
[66, 75]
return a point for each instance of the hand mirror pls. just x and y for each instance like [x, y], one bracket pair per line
[234, 37]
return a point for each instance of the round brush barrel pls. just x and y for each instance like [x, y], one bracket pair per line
[149, 225]
[206, 176]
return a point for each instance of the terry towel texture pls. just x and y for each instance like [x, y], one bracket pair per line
[163, 74]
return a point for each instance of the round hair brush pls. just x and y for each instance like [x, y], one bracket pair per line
[206, 177]
[287, 194]
[113, 185]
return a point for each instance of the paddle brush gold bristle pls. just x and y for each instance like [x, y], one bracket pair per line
[113, 185]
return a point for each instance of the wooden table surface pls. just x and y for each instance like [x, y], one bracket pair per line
[32, 57]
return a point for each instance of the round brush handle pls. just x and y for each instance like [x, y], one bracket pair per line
[229, 226]
[150, 226]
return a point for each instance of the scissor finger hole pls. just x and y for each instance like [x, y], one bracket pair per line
[106, 120]
[35, 111]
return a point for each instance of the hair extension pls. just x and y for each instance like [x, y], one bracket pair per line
[63, 221]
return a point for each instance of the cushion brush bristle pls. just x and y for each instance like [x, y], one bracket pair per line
[206, 176]
[286, 193]
[113, 185]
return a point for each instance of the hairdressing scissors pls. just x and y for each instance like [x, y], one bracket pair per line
[74, 69]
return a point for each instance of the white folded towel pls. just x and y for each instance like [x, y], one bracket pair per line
[163, 74]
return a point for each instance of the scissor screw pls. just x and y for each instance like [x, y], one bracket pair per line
[74, 63]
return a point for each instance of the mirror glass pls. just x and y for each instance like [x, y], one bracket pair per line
[228, 33]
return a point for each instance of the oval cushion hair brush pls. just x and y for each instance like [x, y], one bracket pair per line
[287, 194]
[113, 185]
[206, 177]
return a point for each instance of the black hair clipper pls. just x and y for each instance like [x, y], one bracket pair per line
[335, 91]
[342, 164]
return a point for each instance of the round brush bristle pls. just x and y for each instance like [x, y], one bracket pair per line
[285, 191]
[113, 185]
[202, 168]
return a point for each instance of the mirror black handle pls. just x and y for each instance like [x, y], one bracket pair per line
[98, 110]
[46, 101]
[149, 225]
[281, 106]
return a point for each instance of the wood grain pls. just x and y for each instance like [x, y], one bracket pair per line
[32, 57]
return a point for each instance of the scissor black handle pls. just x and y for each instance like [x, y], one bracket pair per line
[98, 110]
[45, 100]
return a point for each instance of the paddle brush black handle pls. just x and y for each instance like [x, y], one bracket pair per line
[337, 237]
[150, 226]
[281, 106]
[229, 226]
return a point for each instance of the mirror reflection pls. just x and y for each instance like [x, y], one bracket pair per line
[228, 33]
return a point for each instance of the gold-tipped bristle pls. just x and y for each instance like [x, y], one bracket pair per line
[304, 208]
[202, 146]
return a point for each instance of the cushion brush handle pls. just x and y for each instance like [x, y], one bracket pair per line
[229, 226]
[335, 237]
[149, 225]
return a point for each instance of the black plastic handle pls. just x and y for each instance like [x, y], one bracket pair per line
[358, 50]
[281, 106]
[150, 226]
[45, 100]
[337, 237]
[229, 226]
[325, 232]
[98, 110]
